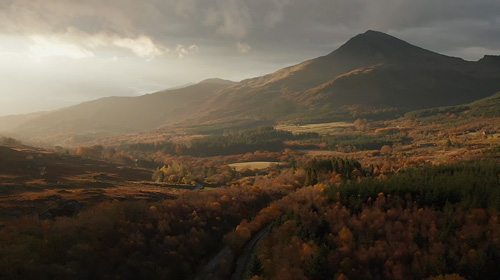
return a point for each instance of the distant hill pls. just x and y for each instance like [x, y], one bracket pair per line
[374, 70]
[114, 115]
[10, 122]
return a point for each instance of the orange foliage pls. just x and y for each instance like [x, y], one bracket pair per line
[381, 242]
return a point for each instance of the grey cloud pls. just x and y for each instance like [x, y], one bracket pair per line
[185, 8]
[262, 24]
[279, 30]
[276, 14]
[230, 18]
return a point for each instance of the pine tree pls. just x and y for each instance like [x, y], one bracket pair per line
[311, 177]
[255, 267]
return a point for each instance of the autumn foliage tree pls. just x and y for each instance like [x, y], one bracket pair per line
[438, 222]
[172, 239]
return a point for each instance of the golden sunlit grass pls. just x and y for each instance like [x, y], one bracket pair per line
[252, 165]
[320, 128]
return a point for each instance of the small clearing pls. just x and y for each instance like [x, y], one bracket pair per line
[252, 165]
[320, 128]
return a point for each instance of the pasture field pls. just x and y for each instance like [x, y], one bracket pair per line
[252, 165]
[320, 128]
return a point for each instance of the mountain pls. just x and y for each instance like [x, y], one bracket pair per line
[114, 115]
[373, 76]
[372, 69]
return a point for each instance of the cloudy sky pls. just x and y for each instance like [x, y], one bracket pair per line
[55, 53]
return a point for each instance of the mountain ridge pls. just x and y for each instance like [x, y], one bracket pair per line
[401, 75]
[373, 69]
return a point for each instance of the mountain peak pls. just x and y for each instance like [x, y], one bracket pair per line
[378, 44]
[370, 32]
[374, 36]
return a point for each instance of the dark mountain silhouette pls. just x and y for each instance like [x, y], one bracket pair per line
[372, 69]
[373, 75]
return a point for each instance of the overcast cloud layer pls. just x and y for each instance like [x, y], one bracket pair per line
[60, 52]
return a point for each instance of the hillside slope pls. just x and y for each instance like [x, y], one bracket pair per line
[114, 115]
[372, 69]
[486, 107]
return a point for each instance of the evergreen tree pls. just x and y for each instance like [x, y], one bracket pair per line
[255, 267]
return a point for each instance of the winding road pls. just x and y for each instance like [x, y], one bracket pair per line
[212, 269]
[246, 256]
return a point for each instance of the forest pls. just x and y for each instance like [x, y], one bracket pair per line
[171, 239]
[235, 142]
[437, 222]
[328, 218]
